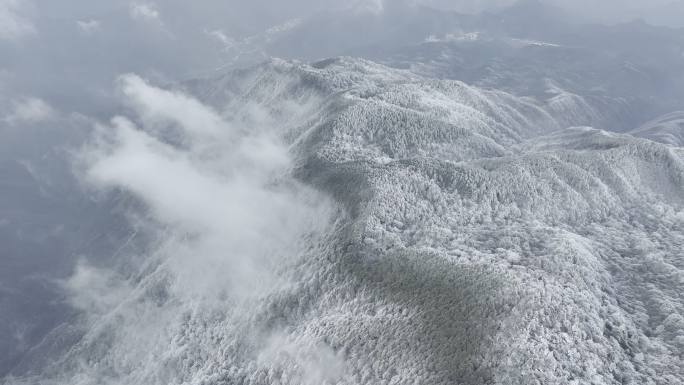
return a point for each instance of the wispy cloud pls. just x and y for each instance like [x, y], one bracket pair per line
[145, 11]
[88, 26]
[221, 37]
[223, 212]
[203, 178]
[30, 110]
[317, 363]
[13, 24]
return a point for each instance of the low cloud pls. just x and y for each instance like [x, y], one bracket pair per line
[159, 108]
[95, 291]
[209, 184]
[304, 360]
[13, 24]
[145, 11]
[30, 110]
[224, 216]
[88, 26]
[221, 37]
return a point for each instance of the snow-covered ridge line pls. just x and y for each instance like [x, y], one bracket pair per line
[482, 239]
[526, 197]
[668, 129]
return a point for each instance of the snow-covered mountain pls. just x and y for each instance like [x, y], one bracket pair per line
[450, 199]
[668, 129]
[630, 72]
[471, 236]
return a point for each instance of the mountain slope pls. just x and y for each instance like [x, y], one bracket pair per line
[476, 239]
[629, 73]
[668, 129]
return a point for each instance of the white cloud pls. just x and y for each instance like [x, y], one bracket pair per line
[215, 185]
[224, 213]
[88, 26]
[30, 110]
[145, 11]
[94, 290]
[159, 107]
[13, 24]
[221, 37]
[315, 363]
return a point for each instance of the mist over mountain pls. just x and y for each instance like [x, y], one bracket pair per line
[366, 192]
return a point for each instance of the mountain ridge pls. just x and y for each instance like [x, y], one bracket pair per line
[496, 245]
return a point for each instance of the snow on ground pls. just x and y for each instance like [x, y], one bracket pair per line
[475, 237]
[668, 129]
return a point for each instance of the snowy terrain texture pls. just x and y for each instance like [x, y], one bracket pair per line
[432, 232]
[492, 198]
